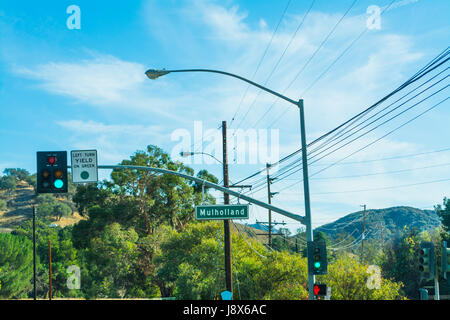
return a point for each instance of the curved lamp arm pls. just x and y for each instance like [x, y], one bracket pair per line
[155, 73]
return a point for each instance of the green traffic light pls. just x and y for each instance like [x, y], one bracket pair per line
[317, 264]
[58, 183]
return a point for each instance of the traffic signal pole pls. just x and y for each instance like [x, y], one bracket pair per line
[308, 223]
[436, 287]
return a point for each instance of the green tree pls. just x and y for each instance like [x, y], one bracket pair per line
[49, 206]
[91, 195]
[113, 258]
[190, 266]
[189, 259]
[16, 265]
[64, 254]
[18, 173]
[443, 211]
[61, 210]
[3, 205]
[400, 260]
[143, 199]
[8, 183]
[350, 280]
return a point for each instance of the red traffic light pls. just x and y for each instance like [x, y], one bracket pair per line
[316, 290]
[51, 160]
[320, 289]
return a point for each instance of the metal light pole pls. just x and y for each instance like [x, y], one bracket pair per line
[154, 74]
[309, 230]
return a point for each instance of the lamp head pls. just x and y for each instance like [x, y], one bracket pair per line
[155, 73]
[186, 154]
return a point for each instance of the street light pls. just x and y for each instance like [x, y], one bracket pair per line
[186, 154]
[156, 73]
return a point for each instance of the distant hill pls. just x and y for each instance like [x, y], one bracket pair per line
[20, 208]
[386, 222]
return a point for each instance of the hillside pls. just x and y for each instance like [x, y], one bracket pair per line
[382, 222]
[20, 208]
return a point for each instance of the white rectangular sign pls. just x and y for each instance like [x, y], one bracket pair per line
[84, 166]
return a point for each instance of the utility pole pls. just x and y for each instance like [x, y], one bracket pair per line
[382, 237]
[50, 269]
[269, 199]
[226, 222]
[271, 233]
[34, 252]
[363, 233]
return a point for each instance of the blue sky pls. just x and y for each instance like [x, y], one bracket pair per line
[63, 89]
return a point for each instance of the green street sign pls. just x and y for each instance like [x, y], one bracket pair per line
[221, 211]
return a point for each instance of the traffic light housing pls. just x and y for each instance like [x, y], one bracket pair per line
[317, 257]
[51, 172]
[320, 290]
[445, 257]
[426, 260]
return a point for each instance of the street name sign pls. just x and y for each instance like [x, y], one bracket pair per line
[84, 166]
[221, 211]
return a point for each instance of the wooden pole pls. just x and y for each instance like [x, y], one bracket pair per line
[226, 222]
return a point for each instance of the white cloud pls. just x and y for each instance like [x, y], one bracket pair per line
[114, 142]
[101, 80]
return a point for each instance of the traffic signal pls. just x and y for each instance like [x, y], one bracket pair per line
[445, 257]
[317, 257]
[320, 290]
[51, 172]
[426, 260]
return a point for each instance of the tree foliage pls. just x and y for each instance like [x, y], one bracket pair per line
[16, 265]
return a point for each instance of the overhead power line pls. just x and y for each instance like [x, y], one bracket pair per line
[278, 62]
[261, 60]
[331, 65]
[435, 63]
[312, 56]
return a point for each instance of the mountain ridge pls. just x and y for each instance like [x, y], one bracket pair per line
[386, 222]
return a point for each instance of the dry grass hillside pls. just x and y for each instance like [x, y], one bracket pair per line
[20, 208]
